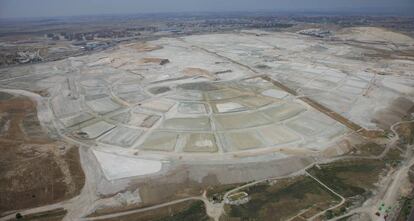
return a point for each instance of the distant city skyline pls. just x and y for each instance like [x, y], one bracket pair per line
[51, 8]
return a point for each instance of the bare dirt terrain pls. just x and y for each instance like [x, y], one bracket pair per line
[35, 170]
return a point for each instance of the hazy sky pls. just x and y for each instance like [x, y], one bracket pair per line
[45, 8]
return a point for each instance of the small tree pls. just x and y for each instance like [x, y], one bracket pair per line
[19, 216]
[329, 214]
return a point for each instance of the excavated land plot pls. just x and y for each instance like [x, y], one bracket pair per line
[240, 116]
[192, 108]
[161, 141]
[192, 124]
[121, 136]
[202, 142]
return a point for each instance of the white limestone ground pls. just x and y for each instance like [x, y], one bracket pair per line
[76, 119]
[161, 105]
[102, 105]
[275, 93]
[241, 107]
[95, 130]
[222, 119]
[192, 108]
[121, 136]
[230, 111]
[117, 167]
[64, 107]
[228, 107]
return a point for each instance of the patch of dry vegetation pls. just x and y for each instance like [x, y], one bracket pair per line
[33, 171]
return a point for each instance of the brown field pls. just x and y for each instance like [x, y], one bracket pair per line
[282, 200]
[189, 211]
[368, 149]
[406, 132]
[33, 169]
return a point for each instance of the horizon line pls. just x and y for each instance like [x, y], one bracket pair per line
[368, 11]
